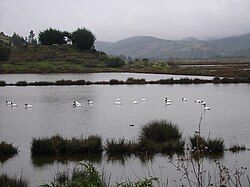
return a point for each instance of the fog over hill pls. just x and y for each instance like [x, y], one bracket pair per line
[188, 48]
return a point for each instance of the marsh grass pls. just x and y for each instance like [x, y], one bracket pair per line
[2, 83]
[155, 137]
[57, 145]
[160, 131]
[237, 148]
[21, 83]
[209, 145]
[8, 181]
[7, 150]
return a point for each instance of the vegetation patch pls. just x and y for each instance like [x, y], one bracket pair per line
[2, 83]
[21, 83]
[57, 145]
[237, 148]
[7, 150]
[209, 145]
[155, 137]
[9, 181]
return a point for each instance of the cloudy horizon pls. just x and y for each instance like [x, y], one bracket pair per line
[114, 20]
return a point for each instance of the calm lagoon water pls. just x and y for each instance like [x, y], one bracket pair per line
[53, 113]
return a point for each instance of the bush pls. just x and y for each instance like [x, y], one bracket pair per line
[21, 83]
[57, 145]
[83, 38]
[120, 147]
[114, 62]
[7, 181]
[7, 149]
[51, 36]
[4, 53]
[2, 83]
[132, 80]
[160, 131]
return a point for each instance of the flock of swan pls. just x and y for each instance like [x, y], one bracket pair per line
[117, 102]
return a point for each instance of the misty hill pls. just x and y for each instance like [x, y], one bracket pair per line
[156, 48]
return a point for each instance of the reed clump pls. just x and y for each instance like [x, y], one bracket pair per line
[207, 145]
[237, 148]
[8, 181]
[57, 145]
[7, 150]
[2, 83]
[21, 83]
[155, 137]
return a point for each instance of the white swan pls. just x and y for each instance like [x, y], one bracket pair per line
[168, 100]
[206, 107]
[28, 106]
[90, 102]
[117, 99]
[76, 104]
[143, 99]
[13, 105]
[184, 99]
[135, 102]
[118, 103]
[8, 102]
[168, 103]
[197, 101]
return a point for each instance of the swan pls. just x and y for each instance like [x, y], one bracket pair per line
[13, 105]
[143, 99]
[206, 107]
[117, 99]
[28, 106]
[76, 104]
[8, 102]
[168, 100]
[118, 103]
[184, 99]
[135, 102]
[197, 101]
[203, 103]
[168, 103]
[90, 102]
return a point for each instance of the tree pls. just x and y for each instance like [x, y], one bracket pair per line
[52, 36]
[4, 53]
[83, 38]
[31, 37]
[17, 40]
[114, 62]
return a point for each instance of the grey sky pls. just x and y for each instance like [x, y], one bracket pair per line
[112, 20]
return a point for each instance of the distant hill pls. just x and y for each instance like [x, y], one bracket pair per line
[188, 48]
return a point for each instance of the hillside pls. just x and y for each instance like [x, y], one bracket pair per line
[189, 48]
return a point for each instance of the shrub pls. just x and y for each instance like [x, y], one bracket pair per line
[114, 62]
[2, 83]
[83, 38]
[57, 145]
[216, 80]
[115, 81]
[7, 149]
[64, 82]
[51, 36]
[8, 181]
[21, 83]
[160, 131]
[4, 53]
[173, 146]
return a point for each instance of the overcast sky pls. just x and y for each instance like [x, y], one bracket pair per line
[112, 20]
